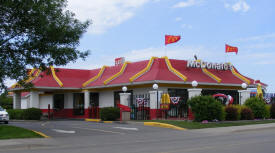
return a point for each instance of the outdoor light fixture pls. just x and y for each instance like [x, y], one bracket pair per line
[194, 83]
[124, 88]
[155, 86]
[244, 85]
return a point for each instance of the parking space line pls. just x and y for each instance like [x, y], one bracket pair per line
[126, 128]
[91, 129]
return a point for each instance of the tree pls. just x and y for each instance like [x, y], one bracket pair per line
[5, 101]
[37, 33]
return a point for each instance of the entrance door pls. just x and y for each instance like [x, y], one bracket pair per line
[94, 105]
[78, 104]
[58, 105]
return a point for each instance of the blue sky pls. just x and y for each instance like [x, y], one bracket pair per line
[135, 29]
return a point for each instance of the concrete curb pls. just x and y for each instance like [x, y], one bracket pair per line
[40, 133]
[163, 125]
[97, 120]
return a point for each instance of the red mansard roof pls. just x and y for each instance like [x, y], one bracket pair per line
[144, 71]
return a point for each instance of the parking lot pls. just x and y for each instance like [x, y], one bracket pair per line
[73, 128]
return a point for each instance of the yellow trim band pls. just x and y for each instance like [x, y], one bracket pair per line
[41, 134]
[173, 70]
[239, 76]
[163, 125]
[117, 74]
[146, 69]
[95, 77]
[211, 75]
[55, 77]
[30, 76]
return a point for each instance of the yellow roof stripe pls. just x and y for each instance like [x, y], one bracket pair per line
[146, 69]
[55, 77]
[117, 74]
[31, 77]
[239, 76]
[95, 77]
[211, 75]
[173, 70]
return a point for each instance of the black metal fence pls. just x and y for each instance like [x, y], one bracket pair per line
[140, 107]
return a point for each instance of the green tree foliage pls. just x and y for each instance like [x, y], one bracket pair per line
[206, 108]
[5, 102]
[257, 106]
[37, 33]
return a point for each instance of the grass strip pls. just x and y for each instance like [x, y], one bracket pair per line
[12, 132]
[198, 125]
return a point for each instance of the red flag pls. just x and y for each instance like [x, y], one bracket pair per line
[171, 39]
[231, 49]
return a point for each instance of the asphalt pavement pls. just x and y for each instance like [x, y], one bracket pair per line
[90, 137]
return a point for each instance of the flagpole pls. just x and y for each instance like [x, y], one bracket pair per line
[165, 50]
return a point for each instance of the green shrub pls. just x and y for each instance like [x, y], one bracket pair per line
[257, 106]
[32, 114]
[246, 114]
[232, 113]
[109, 114]
[267, 112]
[206, 108]
[16, 114]
[272, 111]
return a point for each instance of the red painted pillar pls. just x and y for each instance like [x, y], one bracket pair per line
[190, 114]
[153, 114]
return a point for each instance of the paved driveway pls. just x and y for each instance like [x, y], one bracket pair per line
[72, 128]
[89, 137]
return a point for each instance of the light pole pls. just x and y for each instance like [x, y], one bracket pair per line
[244, 86]
[194, 84]
[124, 89]
[155, 87]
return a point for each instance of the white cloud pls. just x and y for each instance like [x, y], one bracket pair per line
[258, 37]
[104, 13]
[187, 3]
[186, 26]
[178, 19]
[239, 6]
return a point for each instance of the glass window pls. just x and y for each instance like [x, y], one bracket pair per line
[58, 101]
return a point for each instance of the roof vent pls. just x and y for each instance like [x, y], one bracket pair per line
[119, 61]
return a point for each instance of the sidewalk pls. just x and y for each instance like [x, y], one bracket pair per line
[243, 128]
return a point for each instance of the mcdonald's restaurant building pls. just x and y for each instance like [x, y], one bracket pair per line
[79, 93]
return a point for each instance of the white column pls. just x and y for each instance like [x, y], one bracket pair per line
[17, 100]
[153, 99]
[193, 92]
[34, 99]
[125, 99]
[244, 95]
[86, 99]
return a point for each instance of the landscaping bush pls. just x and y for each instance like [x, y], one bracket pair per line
[257, 106]
[272, 111]
[231, 113]
[16, 113]
[267, 112]
[246, 114]
[32, 114]
[206, 108]
[109, 114]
